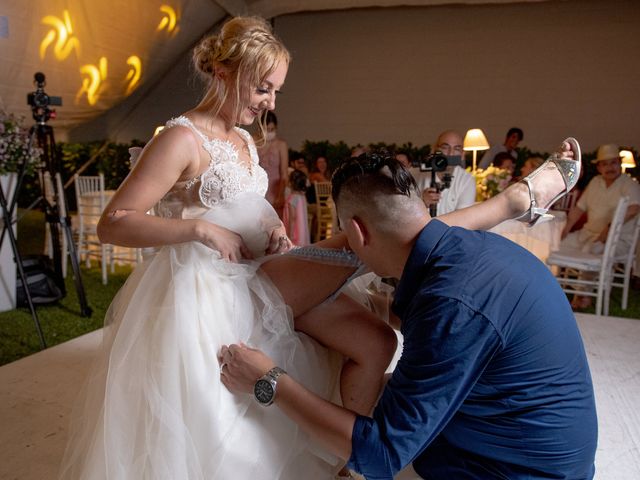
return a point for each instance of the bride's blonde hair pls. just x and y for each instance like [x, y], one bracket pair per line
[249, 51]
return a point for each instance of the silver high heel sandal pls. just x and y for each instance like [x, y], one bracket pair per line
[570, 171]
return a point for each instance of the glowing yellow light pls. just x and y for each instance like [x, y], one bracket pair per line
[63, 30]
[135, 72]
[169, 19]
[93, 80]
[158, 130]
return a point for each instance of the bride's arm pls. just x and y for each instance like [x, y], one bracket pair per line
[170, 157]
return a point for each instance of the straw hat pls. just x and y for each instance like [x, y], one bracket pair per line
[607, 152]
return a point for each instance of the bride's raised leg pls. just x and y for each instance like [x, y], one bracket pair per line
[547, 183]
[343, 325]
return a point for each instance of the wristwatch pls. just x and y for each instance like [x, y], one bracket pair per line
[265, 387]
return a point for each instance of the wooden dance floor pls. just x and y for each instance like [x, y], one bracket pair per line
[37, 392]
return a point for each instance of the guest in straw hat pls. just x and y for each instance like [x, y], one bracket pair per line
[599, 201]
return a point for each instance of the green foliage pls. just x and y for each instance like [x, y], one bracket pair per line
[337, 152]
[61, 321]
[110, 158]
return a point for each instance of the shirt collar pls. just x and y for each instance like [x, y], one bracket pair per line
[414, 270]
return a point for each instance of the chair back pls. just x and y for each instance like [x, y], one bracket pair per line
[608, 256]
[90, 197]
[324, 210]
[323, 191]
[567, 202]
[628, 257]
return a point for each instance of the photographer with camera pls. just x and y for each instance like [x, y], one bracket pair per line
[444, 183]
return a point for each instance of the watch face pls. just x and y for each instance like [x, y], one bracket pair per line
[263, 391]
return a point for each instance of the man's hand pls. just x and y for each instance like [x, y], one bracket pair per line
[430, 196]
[241, 366]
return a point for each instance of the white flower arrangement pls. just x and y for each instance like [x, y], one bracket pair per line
[14, 146]
[490, 181]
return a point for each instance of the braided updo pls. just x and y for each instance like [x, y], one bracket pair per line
[248, 49]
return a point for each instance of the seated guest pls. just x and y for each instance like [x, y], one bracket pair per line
[461, 192]
[505, 161]
[511, 141]
[320, 171]
[599, 202]
[530, 165]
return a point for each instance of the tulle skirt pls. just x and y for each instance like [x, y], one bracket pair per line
[154, 406]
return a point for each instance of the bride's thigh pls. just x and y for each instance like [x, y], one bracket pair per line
[346, 326]
[304, 284]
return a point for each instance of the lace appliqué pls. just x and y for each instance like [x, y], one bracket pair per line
[226, 177]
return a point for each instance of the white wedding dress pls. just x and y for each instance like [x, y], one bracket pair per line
[154, 407]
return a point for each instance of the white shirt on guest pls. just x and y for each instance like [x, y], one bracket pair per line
[600, 202]
[461, 193]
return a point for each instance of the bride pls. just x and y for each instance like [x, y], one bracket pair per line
[154, 406]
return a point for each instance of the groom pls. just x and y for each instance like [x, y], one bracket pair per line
[493, 380]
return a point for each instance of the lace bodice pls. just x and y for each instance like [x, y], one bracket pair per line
[225, 178]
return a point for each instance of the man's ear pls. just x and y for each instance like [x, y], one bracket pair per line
[360, 231]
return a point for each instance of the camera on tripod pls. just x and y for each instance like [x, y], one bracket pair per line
[40, 101]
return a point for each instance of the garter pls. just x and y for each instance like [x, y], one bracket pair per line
[331, 256]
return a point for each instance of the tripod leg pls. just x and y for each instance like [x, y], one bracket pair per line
[85, 310]
[59, 211]
[52, 218]
[19, 265]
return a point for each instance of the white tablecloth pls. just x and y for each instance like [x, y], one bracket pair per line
[541, 239]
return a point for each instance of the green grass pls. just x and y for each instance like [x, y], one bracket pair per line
[61, 321]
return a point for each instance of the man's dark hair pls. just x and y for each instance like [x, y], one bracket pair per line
[366, 172]
[517, 130]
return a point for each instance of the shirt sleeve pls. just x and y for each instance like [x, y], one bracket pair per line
[583, 200]
[446, 348]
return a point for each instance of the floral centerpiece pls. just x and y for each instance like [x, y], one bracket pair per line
[490, 181]
[14, 146]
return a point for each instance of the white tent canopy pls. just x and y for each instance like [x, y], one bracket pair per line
[122, 67]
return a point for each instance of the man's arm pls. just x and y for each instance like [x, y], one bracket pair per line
[330, 424]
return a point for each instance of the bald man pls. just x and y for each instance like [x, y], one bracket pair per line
[462, 191]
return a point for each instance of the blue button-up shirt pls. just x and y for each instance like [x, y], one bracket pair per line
[493, 380]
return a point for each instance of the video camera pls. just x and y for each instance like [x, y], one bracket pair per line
[40, 101]
[436, 162]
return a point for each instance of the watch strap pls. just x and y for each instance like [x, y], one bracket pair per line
[275, 372]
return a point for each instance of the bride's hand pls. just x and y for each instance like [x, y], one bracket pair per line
[278, 240]
[229, 244]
